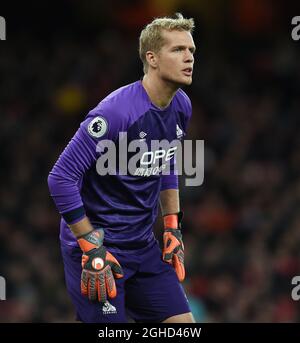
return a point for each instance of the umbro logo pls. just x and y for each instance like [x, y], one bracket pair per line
[142, 135]
[179, 132]
[108, 308]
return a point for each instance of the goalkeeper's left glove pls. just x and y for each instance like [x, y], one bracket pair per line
[173, 251]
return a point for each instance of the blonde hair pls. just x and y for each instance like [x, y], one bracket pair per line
[152, 39]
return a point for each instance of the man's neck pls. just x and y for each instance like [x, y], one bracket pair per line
[160, 92]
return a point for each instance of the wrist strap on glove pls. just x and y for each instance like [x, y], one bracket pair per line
[91, 240]
[173, 221]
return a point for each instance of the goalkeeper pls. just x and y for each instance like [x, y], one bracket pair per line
[112, 261]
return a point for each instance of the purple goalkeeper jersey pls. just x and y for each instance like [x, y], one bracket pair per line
[125, 206]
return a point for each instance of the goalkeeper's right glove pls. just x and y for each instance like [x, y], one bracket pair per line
[99, 267]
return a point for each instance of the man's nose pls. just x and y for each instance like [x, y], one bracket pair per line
[189, 57]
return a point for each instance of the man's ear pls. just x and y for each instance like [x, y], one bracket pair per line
[151, 58]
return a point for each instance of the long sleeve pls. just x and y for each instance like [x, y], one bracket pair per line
[79, 156]
[65, 178]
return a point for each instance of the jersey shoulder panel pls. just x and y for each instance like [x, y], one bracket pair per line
[116, 112]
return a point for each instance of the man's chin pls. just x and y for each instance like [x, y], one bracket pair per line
[186, 81]
[183, 81]
[189, 81]
[179, 82]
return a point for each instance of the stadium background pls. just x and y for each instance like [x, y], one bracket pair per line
[241, 227]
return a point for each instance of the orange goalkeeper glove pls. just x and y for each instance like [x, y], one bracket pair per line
[99, 267]
[173, 251]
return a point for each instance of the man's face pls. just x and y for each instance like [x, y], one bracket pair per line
[175, 58]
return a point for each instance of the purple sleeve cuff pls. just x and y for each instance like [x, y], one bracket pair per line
[74, 216]
[169, 182]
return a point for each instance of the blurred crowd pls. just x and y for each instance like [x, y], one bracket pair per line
[241, 227]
